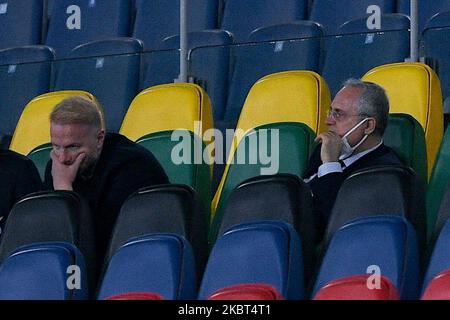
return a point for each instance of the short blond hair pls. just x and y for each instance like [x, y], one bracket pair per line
[78, 110]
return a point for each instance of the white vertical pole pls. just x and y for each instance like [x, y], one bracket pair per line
[414, 31]
[183, 42]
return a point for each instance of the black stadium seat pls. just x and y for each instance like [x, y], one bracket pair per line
[281, 197]
[174, 209]
[60, 216]
[380, 190]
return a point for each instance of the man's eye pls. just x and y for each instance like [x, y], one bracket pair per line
[73, 148]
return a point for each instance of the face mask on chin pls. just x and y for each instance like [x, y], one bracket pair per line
[348, 150]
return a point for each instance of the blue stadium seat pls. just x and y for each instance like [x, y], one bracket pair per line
[157, 20]
[60, 216]
[20, 22]
[331, 14]
[264, 252]
[172, 208]
[25, 73]
[42, 271]
[99, 20]
[273, 52]
[385, 242]
[393, 190]
[208, 64]
[108, 69]
[436, 51]
[357, 51]
[242, 17]
[427, 9]
[162, 264]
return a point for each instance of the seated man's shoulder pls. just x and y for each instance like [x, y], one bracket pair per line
[11, 161]
[390, 157]
[119, 148]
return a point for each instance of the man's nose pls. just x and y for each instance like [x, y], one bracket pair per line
[64, 156]
[330, 120]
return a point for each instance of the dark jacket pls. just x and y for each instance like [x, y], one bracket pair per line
[325, 189]
[123, 168]
[18, 178]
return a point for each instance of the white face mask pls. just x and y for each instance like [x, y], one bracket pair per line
[348, 150]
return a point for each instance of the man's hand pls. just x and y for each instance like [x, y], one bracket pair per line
[64, 175]
[331, 146]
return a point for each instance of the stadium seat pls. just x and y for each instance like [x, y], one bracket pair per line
[370, 247]
[427, 9]
[209, 60]
[133, 296]
[41, 271]
[294, 46]
[438, 182]
[109, 70]
[406, 137]
[172, 208]
[242, 17]
[20, 22]
[437, 289]
[414, 88]
[380, 190]
[435, 284]
[265, 252]
[355, 288]
[157, 20]
[442, 216]
[160, 264]
[331, 14]
[51, 216]
[184, 113]
[74, 22]
[359, 49]
[280, 197]
[40, 157]
[271, 101]
[436, 51]
[25, 73]
[289, 146]
[33, 128]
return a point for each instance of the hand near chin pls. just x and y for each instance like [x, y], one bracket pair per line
[331, 146]
[63, 174]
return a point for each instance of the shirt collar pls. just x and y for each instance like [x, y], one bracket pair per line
[348, 161]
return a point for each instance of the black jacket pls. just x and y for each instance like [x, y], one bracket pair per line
[18, 178]
[325, 189]
[123, 168]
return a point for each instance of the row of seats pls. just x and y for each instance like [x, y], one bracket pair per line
[415, 130]
[270, 24]
[64, 24]
[28, 72]
[265, 251]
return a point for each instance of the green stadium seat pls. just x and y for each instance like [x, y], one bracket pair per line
[405, 135]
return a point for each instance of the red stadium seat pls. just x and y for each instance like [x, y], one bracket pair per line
[438, 288]
[136, 296]
[355, 288]
[247, 292]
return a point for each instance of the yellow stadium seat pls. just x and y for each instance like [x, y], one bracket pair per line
[285, 97]
[168, 107]
[414, 89]
[33, 128]
[156, 113]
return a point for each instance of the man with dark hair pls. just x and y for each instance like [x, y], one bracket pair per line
[18, 178]
[103, 168]
[356, 122]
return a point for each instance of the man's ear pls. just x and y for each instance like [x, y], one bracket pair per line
[100, 137]
[371, 124]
